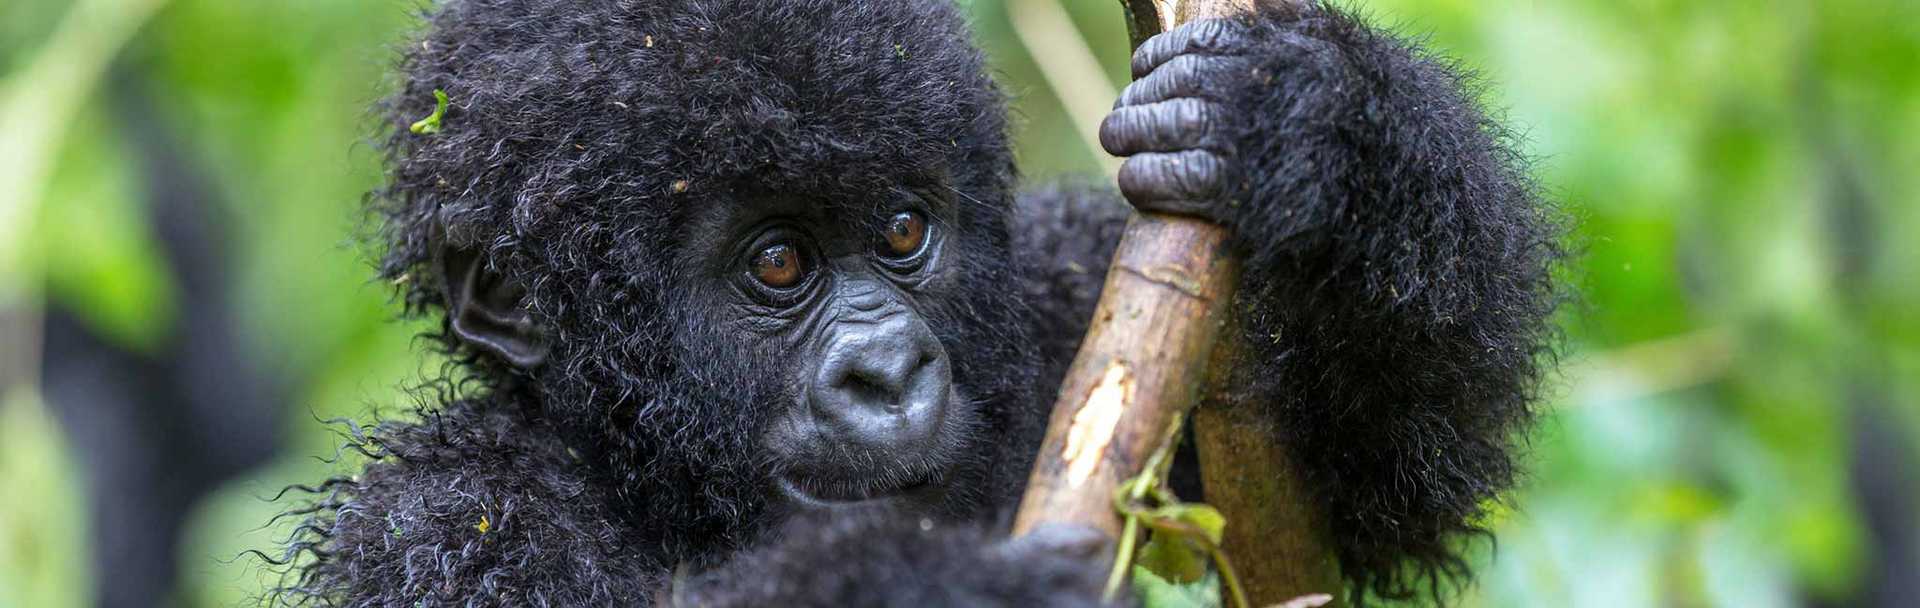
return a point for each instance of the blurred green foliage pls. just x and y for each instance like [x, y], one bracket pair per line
[1741, 174]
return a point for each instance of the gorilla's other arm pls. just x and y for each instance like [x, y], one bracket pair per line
[1396, 288]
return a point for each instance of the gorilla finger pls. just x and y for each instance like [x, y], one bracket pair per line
[1203, 36]
[1178, 182]
[1168, 126]
[1183, 76]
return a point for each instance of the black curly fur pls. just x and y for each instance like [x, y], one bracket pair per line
[914, 564]
[1394, 302]
[476, 500]
[1399, 285]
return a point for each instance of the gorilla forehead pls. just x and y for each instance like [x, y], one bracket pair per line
[808, 95]
[583, 133]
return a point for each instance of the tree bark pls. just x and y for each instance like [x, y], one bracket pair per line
[1140, 365]
[1275, 533]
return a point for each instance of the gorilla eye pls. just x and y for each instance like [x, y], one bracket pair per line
[906, 232]
[778, 266]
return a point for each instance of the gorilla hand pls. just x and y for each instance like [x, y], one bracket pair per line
[1174, 121]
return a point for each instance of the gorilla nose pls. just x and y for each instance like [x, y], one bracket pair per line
[883, 385]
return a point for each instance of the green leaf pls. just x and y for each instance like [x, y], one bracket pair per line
[431, 124]
[1194, 520]
[1156, 592]
[1173, 558]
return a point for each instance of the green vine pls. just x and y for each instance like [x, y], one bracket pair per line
[1182, 533]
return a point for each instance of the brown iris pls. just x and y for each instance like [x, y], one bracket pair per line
[906, 232]
[778, 266]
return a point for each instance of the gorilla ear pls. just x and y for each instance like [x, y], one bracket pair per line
[489, 311]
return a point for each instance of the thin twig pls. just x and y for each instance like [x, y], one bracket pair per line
[1150, 479]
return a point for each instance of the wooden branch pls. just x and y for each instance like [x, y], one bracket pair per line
[1275, 534]
[1141, 364]
[1144, 361]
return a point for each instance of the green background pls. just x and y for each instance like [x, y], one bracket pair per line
[1743, 175]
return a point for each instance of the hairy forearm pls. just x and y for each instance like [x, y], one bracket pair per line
[1397, 287]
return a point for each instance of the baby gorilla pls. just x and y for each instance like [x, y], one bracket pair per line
[745, 291]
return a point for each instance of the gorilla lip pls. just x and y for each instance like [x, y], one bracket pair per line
[815, 492]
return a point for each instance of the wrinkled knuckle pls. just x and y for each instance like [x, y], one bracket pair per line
[1112, 136]
[1193, 178]
[1222, 165]
[1200, 76]
[1184, 67]
[1202, 174]
[1209, 34]
[1130, 173]
[1191, 123]
[1140, 177]
[1192, 115]
[1183, 75]
[1218, 34]
[1132, 94]
[1149, 55]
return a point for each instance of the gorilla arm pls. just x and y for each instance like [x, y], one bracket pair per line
[1397, 265]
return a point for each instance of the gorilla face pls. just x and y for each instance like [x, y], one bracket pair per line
[775, 276]
[816, 356]
[831, 287]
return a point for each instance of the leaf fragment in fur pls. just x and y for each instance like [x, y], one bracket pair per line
[431, 124]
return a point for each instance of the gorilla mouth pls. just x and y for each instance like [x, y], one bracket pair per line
[921, 483]
[827, 471]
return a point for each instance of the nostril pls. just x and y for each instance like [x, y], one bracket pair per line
[884, 382]
[881, 386]
[868, 386]
[883, 395]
